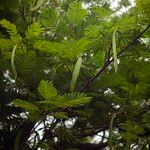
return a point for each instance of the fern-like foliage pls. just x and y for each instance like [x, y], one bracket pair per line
[75, 48]
[33, 112]
[76, 13]
[8, 3]
[52, 101]
[5, 44]
[92, 31]
[67, 49]
[34, 32]
[60, 115]
[68, 100]
[47, 90]
[49, 17]
[11, 29]
[77, 99]
[25, 105]
[66, 135]
[143, 7]
[132, 130]
[25, 62]
[101, 13]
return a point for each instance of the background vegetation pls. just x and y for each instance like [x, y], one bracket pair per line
[74, 74]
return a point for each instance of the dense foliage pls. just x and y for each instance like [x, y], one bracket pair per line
[74, 74]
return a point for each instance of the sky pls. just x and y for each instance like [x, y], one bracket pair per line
[114, 4]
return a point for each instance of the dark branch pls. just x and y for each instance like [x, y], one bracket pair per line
[91, 146]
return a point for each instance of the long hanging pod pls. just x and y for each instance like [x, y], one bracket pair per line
[114, 50]
[13, 62]
[75, 74]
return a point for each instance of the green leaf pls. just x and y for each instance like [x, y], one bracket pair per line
[49, 18]
[74, 48]
[66, 135]
[75, 73]
[11, 29]
[12, 62]
[26, 62]
[47, 90]
[66, 49]
[80, 100]
[50, 47]
[114, 51]
[6, 55]
[25, 105]
[67, 101]
[38, 5]
[76, 13]
[60, 115]
[34, 31]
[92, 31]
[5, 44]
[143, 7]
[98, 58]
[101, 13]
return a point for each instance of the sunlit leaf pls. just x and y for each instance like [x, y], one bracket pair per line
[47, 90]
[25, 105]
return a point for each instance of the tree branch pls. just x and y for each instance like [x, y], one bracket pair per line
[90, 146]
[109, 60]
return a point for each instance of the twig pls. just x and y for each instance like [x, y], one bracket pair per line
[110, 142]
[84, 75]
[33, 13]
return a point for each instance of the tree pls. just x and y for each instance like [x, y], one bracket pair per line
[72, 72]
